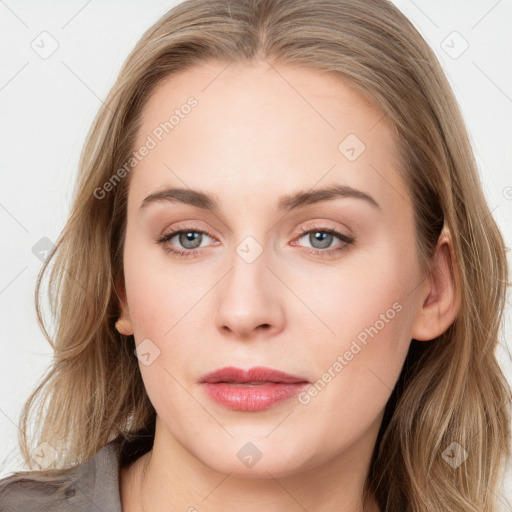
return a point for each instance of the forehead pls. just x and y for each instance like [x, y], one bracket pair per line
[256, 127]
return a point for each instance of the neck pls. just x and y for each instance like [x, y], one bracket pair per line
[170, 478]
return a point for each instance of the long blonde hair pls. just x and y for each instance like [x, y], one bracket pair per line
[451, 389]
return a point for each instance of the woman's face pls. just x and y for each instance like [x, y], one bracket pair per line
[258, 278]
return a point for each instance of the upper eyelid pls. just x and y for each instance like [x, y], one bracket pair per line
[305, 230]
[301, 230]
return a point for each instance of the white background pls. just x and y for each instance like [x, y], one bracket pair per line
[47, 106]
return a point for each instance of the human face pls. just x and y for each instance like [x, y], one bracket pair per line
[258, 288]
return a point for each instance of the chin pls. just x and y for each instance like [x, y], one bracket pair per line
[255, 457]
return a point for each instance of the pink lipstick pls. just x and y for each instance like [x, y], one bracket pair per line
[255, 389]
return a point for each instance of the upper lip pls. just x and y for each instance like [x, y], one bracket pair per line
[256, 374]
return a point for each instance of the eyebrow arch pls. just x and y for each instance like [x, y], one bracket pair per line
[289, 202]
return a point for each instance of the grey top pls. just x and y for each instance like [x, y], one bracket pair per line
[90, 486]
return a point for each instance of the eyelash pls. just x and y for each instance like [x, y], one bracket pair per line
[194, 253]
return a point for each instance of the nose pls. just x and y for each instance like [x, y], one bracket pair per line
[249, 299]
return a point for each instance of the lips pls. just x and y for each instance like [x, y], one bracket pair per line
[255, 389]
[256, 375]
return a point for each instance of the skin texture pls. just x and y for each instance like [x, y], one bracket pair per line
[257, 133]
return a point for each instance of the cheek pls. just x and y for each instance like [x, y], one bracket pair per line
[151, 291]
[158, 303]
[357, 368]
[369, 344]
[164, 302]
[368, 314]
[369, 291]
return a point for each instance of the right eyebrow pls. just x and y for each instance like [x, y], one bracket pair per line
[182, 195]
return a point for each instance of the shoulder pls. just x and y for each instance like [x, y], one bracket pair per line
[90, 485]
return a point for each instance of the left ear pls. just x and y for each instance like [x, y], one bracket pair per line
[441, 294]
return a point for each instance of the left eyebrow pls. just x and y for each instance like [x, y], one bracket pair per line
[289, 202]
[305, 198]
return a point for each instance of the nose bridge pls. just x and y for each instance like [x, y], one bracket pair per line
[251, 251]
[248, 298]
[249, 273]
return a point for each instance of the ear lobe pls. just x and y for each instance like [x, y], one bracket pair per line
[441, 299]
[124, 326]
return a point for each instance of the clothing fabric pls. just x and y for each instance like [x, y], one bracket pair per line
[90, 486]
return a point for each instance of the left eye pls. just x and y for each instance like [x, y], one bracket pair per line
[321, 239]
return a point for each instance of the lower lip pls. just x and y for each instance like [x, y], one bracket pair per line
[252, 398]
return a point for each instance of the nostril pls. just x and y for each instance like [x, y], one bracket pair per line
[70, 493]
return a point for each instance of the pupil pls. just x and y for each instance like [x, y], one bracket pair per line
[323, 238]
[189, 238]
